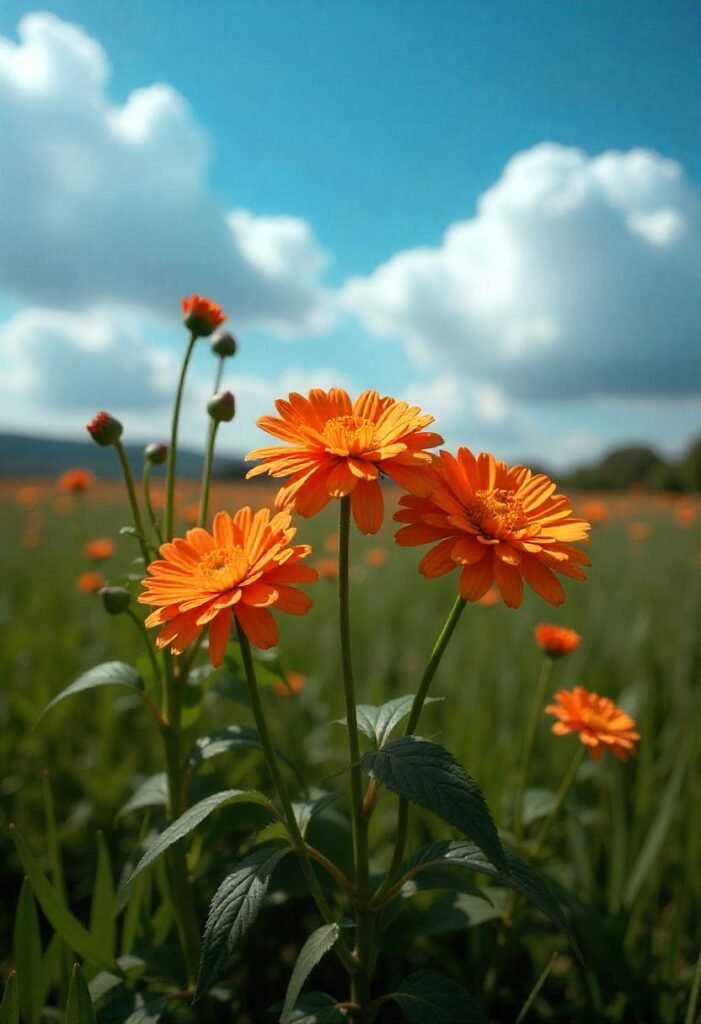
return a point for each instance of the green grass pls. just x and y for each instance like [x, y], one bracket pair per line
[627, 849]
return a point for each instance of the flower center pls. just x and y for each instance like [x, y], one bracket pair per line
[497, 513]
[349, 435]
[223, 568]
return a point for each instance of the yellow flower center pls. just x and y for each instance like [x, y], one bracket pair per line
[223, 568]
[497, 513]
[349, 435]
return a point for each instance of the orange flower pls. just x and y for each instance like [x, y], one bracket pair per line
[27, 496]
[90, 582]
[296, 681]
[556, 640]
[375, 557]
[491, 598]
[497, 524]
[327, 568]
[98, 550]
[685, 514]
[336, 447]
[638, 532]
[243, 568]
[74, 481]
[598, 721]
[201, 315]
[594, 511]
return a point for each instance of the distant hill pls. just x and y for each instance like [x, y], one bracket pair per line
[42, 456]
[638, 466]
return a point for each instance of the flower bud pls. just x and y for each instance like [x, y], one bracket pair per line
[105, 429]
[201, 316]
[156, 453]
[224, 345]
[116, 600]
[222, 406]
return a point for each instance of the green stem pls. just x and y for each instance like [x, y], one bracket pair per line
[146, 483]
[416, 708]
[172, 450]
[363, 945]
[529, 741]
[690, 1016]
[207, 472]
[536, 988]
[155, 668]
[135, 510]
[284, 797]
[219, 374]
[562, 792]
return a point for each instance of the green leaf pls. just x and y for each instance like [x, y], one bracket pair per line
[443, 876]
[68, 927]
[27, 953]
[110, 673]
[102, 922]
[233, 737]
[233, 910]
[427, 997]
[518, 875]
[537, 803]
[9, 1008]
[192, 818]
[306, 810]
[153, 792]
[79, 1008]
[430, 776]
[316, 1008]
[316, 946]
[378, 722]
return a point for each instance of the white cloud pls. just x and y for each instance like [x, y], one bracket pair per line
[109, 204]
[578, 275]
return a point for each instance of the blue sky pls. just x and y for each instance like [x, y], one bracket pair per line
[491, 209]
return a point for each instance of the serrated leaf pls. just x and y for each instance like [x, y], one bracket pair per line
[233, 737]
[379, 721]
[68, 927]
[192, 818]
[276, 832]
[316, 1008]
[79, 1008]
[427, 997]
[306, 810]
[427, 774]
[443, 876]
[110, 673]
[102, 922]
[27, 955]
[518, 875]
[233, 910]
[153, 792]
[9, 1007]
[317, 945]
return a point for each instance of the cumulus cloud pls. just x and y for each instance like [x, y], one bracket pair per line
[103, 203]
[578, 276]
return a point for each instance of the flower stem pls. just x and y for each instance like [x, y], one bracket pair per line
[146, 484]
[172, 450]
[155, 668]
[363, 946]
[280, 786]
[546, 672]
[416, 708]
[207, 472]
[219, 374]
[135, 510]
[562, 792]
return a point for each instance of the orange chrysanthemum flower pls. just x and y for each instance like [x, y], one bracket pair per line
[375, 557]
[296, 681]
[90, 582]
[201, 315]
[600, 724]
[556, 640]
[336, 447]
[498, 525]
[243, 568]
[327, 568]
[99, 549]
[74, 481]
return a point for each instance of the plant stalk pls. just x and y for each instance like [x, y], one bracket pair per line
[546, 672]
[207, 472]
[560, 797]
[172, 450]
[131, 491]
[146, 484]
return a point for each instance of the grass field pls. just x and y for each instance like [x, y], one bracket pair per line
[627, 847]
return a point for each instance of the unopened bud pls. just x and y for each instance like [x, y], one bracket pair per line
[156, 453]
[201, 316]
[222, 406]
[116, 600]
[224, 345]
[105, 429]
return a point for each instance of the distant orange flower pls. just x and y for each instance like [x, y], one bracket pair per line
[598, 721]
[191, 513]
[296, 681]
[335, 447]
[498, 525]
[685, 514]
[99, 549]
[201, 315]
[491, 598]
[331, 543]
[327, 568]
[556, 640]
[27, 495]
[639, 531]
[594, 511]
[243, 568]
[90, 582]
[74, 481]
[375, 557]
